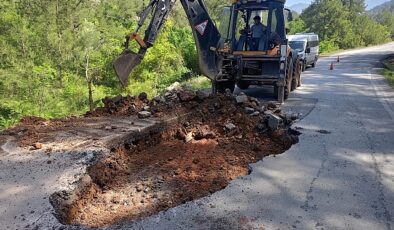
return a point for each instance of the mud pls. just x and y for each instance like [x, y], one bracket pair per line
[190, 158]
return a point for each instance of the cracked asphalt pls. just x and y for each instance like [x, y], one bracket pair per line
[340, 175]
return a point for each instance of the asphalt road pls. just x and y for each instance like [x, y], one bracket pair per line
[340, 175]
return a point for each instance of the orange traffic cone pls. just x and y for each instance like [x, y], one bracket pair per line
[338, 59]
[332, 66]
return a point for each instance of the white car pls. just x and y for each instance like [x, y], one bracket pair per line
[307, 45]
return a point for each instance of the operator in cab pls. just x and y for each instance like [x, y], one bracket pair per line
[258, 30]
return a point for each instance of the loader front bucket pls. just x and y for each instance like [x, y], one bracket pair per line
[125, 63]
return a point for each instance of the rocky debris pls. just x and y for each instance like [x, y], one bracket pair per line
[274, 121]
[143, 96]
[37, 146]
[186, 96]
[201, 95]
[212, 143]
[174, 87]
[242, 98]
[144, 114]
[230, 126]
[249, 110]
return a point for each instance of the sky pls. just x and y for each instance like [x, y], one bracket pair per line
[370, 3]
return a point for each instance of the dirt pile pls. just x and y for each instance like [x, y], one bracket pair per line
[198, 155]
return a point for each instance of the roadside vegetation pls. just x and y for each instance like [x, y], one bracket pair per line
[56, 56]
[388, 72]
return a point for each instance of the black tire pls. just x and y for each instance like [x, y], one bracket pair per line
[296, 74]
[289, 77]
[277, 91]
[243, 85]
[314, 64]
[220, 87]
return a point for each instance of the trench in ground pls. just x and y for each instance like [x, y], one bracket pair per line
[161, 170]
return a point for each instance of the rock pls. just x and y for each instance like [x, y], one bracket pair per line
[261, 127]
[201, 95]
[37, 146]
[230, 126]
[144, 114]
[143, 96]
[255, 114]
[174, 87]
[272, 105]
[268, 112]
[139, 188]
[204, 132]
[249, 110]
[117, 99]
[242, 98]
[228, 92]
[146, 190]
[186, 96]
[189, 137]
[274, 121]
[146, 108]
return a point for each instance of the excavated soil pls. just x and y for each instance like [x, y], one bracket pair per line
[188, 159]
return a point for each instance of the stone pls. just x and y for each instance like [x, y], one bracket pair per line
[174, 87]
[185, 96]
[255, 114]
[37, 146]
[144, 114]
[143, 96]
[146, 108]
[189, 137]
[242, 98]
[201, 95]
[249, 110]
[230, 126]
[117, 99]
[268, 112]
[274, 121]
[272, 105]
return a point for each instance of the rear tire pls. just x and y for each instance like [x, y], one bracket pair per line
[314, 64]
[243, 85]
[289, 77]
[296, 75]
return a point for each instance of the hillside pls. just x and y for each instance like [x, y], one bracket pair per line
[298, 7]
[385, 6]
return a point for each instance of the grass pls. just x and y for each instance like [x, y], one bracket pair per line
[388, 72]
[197, 83]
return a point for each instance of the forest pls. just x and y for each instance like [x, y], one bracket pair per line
[52, 52]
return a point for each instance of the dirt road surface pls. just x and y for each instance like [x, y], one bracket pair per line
[340, 175]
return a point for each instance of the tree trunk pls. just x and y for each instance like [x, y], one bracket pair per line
[89, 81]
[90, 96]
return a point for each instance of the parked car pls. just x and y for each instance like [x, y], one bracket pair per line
[307, 45]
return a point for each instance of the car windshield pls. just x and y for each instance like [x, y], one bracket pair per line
[297, 45]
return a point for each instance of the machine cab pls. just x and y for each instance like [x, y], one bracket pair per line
[256, 25]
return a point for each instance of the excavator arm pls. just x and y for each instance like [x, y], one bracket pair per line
[206, 36]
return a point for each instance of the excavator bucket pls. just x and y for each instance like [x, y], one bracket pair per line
[125, 63]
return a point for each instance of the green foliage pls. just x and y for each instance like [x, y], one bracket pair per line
[342, 24]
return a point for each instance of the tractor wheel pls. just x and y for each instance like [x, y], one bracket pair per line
[243, 85]
[296, 75]
[279, 93]
[289, 78]
[220, 87]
